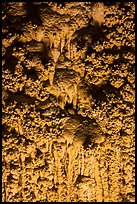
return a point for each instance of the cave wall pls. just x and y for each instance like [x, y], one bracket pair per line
[68, 101]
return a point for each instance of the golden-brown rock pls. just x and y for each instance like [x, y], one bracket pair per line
[68, 101]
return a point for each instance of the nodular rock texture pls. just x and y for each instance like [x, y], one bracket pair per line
[68, 102]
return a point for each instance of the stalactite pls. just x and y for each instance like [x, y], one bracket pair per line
[68, 103]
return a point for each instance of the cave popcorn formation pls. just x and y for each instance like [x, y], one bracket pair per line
[68, 81]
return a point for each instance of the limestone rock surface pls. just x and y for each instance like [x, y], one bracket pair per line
[68, 101]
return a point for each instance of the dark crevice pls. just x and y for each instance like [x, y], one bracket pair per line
[10, 178]
[69, 106]
[87, 143]
[115, 51]
[61, 4]
[110, 3]
[13, 25]
[33, 13]
[30, 73]
[13, 166]
[80, 178]
[45, 54]
[27, 141]
[89, 35]
[38, 153]
[126, 8]
[62, 114]
[123, 133]
[20, 97]
[10, 61]
[100, 93]
[28, 160]
[7, 130]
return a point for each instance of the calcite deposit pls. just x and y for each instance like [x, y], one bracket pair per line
[68, 101]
